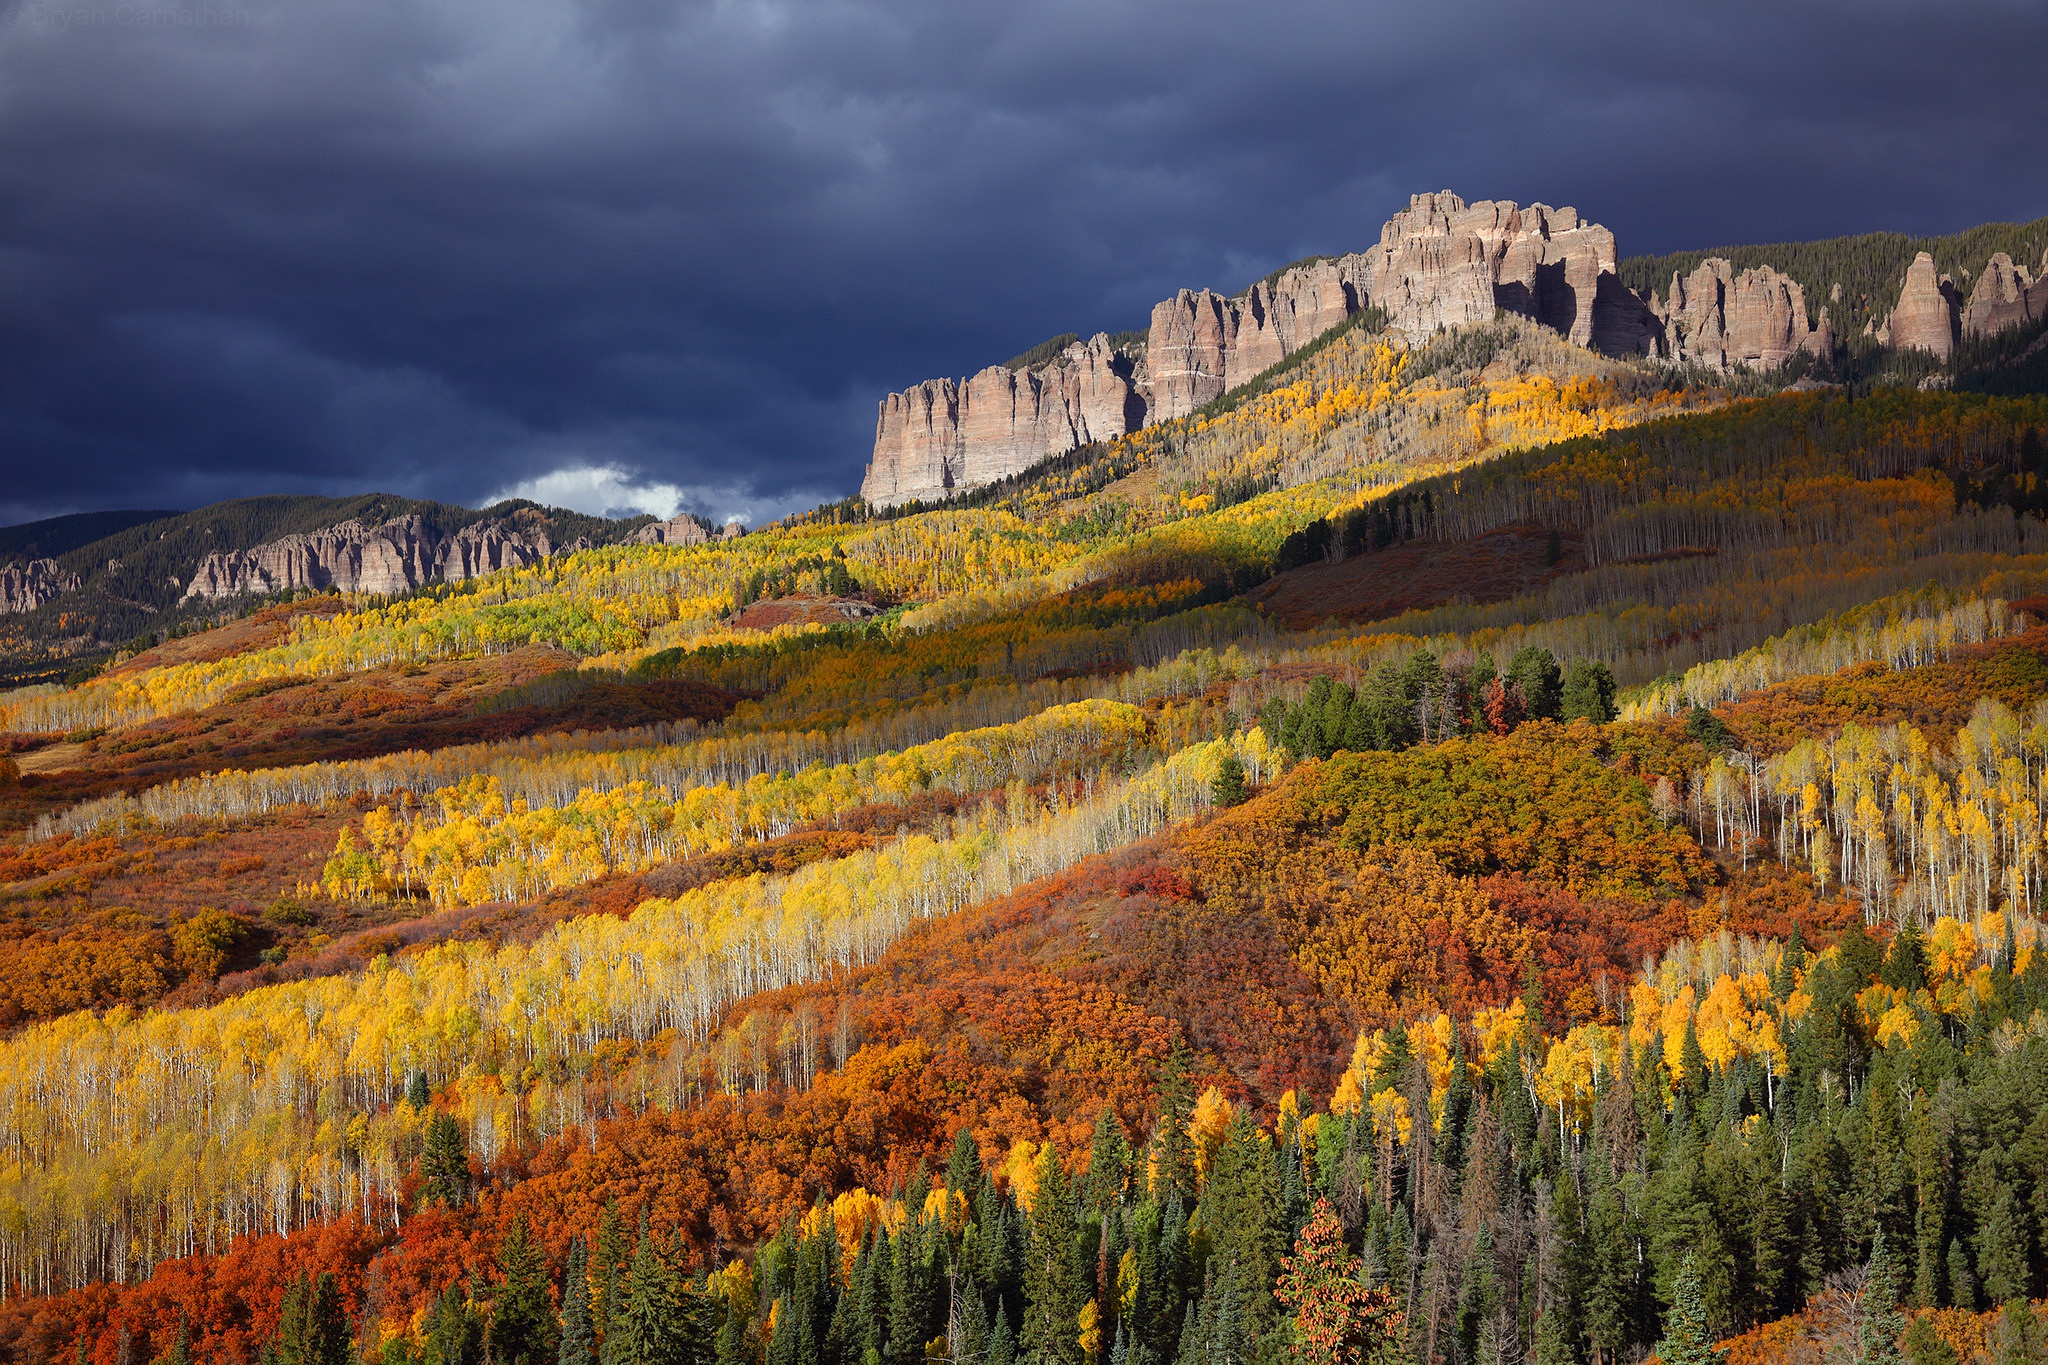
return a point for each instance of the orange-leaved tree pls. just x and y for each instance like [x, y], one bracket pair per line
[1338, 1319]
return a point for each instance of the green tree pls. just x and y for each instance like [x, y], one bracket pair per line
[1534, 670]
[1686, 1339]
[658, 1322]
[609, 1272]
[1588, 692]
[312, 1329]
[1055, 1287]
[1229, 787]
[1109, 1166]
[454, 1331]
[1881, 1325]
[579, 1340]
[444, 1164]
[522, 1323]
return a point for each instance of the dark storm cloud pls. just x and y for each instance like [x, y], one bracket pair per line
[449, 246]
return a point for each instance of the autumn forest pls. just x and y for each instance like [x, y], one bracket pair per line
[1464, 851]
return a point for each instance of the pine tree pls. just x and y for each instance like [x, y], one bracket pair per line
[522, 1324]
[609, 1271]
[1877, 1336]
[1588, 692]
[1109, 1166]
[1174, 1162]
[658, 1322]
[1054, 1286]
[454, 1332]
[1686, 1339]
[579, 1341]
[181, 1345]
[1229, 787]
[312, 1328]
[2001, 1247]
[444, 1164]
[1534, 670]
[963, 1166]
[416, 1093]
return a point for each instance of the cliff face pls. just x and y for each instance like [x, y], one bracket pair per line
[26, 587]
[945, 435]
[1439, 263]
[679, 530]
[1719, 319]
[2005, 296]
[397, 556]
[1444, 263]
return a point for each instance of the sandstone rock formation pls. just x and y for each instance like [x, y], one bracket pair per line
[945, 435]
[1926, 316]
[1719, 319]
[2005, 296]
[682, 529]
[1444, 263]
[26, 587]
[1440, 263]
[395, 557]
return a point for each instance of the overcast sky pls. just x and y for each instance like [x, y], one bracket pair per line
[656, 254]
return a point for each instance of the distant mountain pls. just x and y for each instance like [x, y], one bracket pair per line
[72, 587]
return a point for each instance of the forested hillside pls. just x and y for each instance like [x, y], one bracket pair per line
[1452, 853]
[125, 574]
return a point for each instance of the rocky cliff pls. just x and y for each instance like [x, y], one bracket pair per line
[679, 530]
[945, 435]
[26, 587]
[396, 556]
[1720, 319]
[2005, 296]
[1440, 263]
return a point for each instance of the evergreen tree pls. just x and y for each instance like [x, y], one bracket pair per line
[2001, 1246]
[1174, 1160]
[963, 1166]
[444, 1164]
[1588, 692]
[416, 1093]
[312, 1329]
[1229, 787]
[1337, 1319]
[1534, 670]
[1054, 1285]
[1109, 1166]
[579, 1340]
[454, 1332]
[522, 1323]
[608, 1274]
[181, 1345]
[1878, 1333]
[1686, 1339]
[658, 1321]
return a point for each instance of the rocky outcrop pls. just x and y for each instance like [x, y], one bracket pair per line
[2005, 296]
[26, 587]
[683, 529]
[395, 557]
[1440, 263]
[1722, 320]
[1926, 317]
[945, 435]
[1444, 263]
[1201, 344]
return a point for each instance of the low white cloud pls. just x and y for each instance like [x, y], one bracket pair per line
[601, 491]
